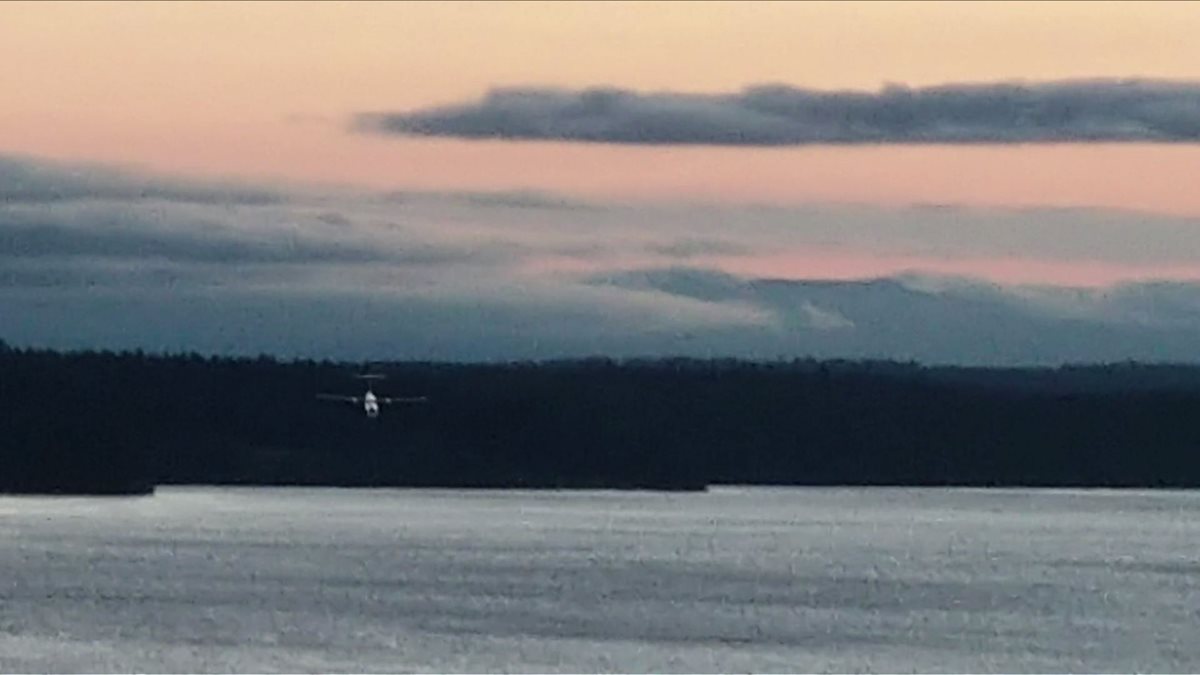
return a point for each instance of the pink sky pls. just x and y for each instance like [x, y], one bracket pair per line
[263, 91]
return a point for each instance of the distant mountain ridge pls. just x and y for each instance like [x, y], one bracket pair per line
[934, 321]
[956, 322]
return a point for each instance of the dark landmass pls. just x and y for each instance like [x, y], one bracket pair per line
[106, 423]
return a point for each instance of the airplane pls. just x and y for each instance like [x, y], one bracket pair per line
[369, 401]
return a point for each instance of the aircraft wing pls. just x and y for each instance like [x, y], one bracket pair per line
[337, 397]
[405, 399]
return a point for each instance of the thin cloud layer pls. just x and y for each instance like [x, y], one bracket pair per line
[170, 266]
[27, 181]
[1082, 111]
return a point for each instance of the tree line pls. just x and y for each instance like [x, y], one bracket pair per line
[102, 422]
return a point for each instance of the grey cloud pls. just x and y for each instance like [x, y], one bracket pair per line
[507, 199]
[769, 115]
[334, 219]
[52, 274]
[824, 319]
[121, 224]
[49, 240]
[690, 248]
[435, 255]
[102, 234]
[696, 283]
[473, 276]
[30, 181]
[510, 230]
[520, 200]
[1036, 233]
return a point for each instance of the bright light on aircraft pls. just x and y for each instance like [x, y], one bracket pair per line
[369, 401]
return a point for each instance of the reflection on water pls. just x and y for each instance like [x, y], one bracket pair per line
[735, 579]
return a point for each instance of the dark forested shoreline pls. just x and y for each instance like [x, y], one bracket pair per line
[105, 423]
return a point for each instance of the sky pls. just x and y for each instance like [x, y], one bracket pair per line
[503, 180]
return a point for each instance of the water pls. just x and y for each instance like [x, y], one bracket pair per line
[199, 579]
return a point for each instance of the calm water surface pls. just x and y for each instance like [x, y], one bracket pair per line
[199, 579]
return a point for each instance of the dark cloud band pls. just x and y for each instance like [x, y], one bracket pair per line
[24, 181]
[93, 258]
[1069, 111]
